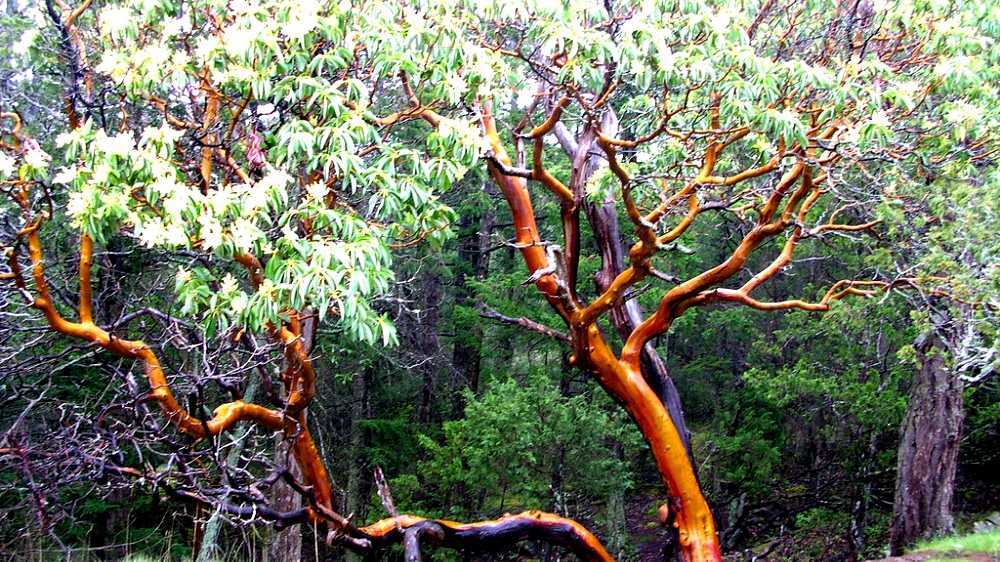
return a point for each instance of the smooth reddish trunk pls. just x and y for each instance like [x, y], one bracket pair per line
[622, 379]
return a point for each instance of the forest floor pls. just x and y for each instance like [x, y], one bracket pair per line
[644, 530]
[976, 547]
[942, 556]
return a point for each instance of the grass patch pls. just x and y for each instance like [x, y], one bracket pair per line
[988, 542]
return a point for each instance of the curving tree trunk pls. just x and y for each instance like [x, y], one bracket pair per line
[627, 314]
[928, 450]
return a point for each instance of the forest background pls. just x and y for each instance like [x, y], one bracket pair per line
[454, 392]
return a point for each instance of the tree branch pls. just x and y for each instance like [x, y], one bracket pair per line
[523, 322]
[529, 525]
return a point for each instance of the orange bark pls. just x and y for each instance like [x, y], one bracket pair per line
[515, 191]
[623, 380]
[509, 528]
[693, 517]
[224, 416]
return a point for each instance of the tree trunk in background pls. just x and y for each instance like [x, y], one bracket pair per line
[427, 341]
[356, 488]
[473, 251]
[286, 545]
[928, 450]
[465, 353]
[209, 549]
[861, 503]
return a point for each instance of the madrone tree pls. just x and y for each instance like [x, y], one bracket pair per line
[286, 147]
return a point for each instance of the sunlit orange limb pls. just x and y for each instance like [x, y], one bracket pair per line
[838, 291]
[301, 373]
[303, 388]
[312, 466]
[224, 417]
[705, 176]
[694, 208]
[637, 270]
[609, 297]
[569, 212]
[15, 130]
[529, 525]
[424, 113]
[525, 228]
[785, 257]
[662, 128]
[660, 320]
[540, 174]
[86, 262]
[693, 517]
[551, 121]
[743, 298]
[750, 173]
[645, 230]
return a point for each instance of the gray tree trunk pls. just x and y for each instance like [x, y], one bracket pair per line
[286, 545]
[928, 450]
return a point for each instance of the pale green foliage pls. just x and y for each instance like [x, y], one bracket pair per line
[265, 49]
[322, 74]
